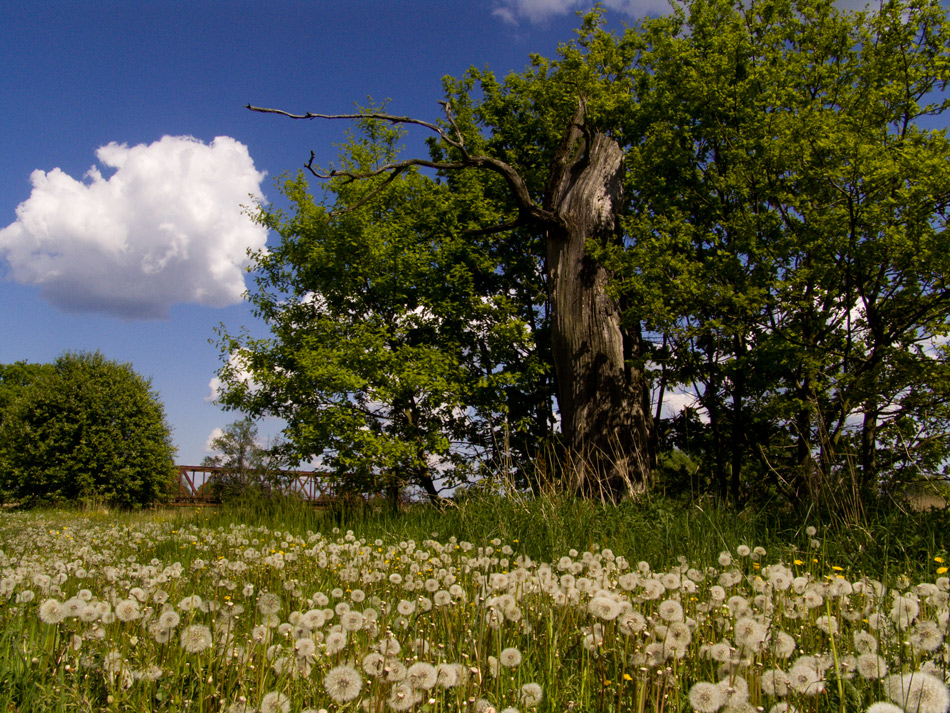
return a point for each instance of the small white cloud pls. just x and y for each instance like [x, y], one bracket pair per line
[209, 444]
[166, 227]
[535, 11]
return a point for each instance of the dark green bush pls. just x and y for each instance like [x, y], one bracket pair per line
[85, 429]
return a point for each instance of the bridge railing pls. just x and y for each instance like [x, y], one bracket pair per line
[199, 484]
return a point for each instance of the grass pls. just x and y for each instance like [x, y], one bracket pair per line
[602, 608]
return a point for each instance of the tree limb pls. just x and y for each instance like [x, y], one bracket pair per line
[519, 189]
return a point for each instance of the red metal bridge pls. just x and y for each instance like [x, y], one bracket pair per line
[199, 484]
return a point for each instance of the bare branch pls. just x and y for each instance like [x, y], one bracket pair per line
[528, 209]
[391, 118]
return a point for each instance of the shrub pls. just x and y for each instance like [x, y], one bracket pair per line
[85, 429]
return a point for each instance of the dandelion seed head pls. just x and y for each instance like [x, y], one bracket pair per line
[918, 692]
[52, 611]
[343, 683]
[509, 657]
[196, 638]
[274, 702]
[530, 695]
[706, 697]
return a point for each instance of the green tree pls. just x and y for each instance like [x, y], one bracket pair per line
[740, 197]
[247, 464]
[403, 352]
[787, 235]
[85, 427]
[14, 378]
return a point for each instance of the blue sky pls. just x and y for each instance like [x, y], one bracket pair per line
[126, 155]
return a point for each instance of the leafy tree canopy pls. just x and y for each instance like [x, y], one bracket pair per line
[741, 201]
[83, 427]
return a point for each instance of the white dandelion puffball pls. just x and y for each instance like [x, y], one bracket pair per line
[918, 692]
[530, 695]
[196, 638]
[510, 657]
[422, 675]
[343, 684]
[706, 697]
[275, 702]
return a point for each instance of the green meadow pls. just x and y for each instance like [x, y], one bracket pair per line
[488, 604]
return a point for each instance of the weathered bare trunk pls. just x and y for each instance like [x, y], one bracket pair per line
[604, 399]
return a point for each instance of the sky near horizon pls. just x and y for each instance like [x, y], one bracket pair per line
[128, 158]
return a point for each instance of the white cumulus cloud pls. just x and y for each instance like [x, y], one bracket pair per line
[511, 11]
[535, 11]
[166, 227]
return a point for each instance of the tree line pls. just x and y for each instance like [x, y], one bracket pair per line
[743, 202]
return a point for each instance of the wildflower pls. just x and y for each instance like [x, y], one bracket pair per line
[168, 619]
[750, 634]
[127, 610]
[196, 638]
[904, 611]
[52, 611]
[884, 707]
[827, 624]
[670, 610]
[919, 692]
[631, 623]
[343, 683]
[783, 708]
[530, 695]
[73, 606]
[422, 675]
[351, 621]
[335, 642]
[871, 666]
[374, 664]
[805, 679]
[865, 642]
[305, 648]
[706, 697]
[926, 637]
[735, 691]
[190, 602]
[510, 657]
[605, 608]
[396, 671]
[275, 702]
[268, 603]
[447, 675]
[774, 682]
[389, 647]
[405, 608]
[402, 697]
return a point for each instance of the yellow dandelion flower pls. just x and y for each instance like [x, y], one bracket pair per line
[836, 568]
[938, 559]
[941, 570]
[799, 562]
[626, 676]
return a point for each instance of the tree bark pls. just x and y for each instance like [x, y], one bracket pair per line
[606, 421]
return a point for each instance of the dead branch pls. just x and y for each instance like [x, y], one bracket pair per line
[527, 208]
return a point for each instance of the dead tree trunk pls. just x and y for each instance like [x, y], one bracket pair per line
[603, 395]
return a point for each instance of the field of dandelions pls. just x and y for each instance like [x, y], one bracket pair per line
[166, 612]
